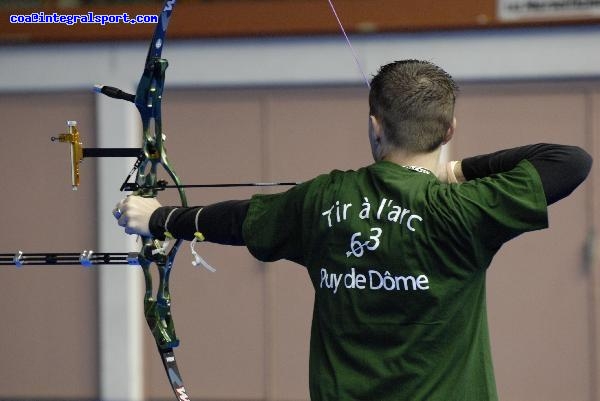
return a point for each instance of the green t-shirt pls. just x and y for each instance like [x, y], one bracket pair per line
[397, 260]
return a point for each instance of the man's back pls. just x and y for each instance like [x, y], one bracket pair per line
[398, 262]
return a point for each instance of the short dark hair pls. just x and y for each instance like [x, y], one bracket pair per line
[414, 102]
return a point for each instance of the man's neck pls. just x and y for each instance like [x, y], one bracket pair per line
[427, 161]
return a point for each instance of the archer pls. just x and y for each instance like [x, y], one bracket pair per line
[379, 344]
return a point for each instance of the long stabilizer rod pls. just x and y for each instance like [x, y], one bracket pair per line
[85, 258]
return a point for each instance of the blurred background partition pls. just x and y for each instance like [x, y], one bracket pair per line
[265, 90]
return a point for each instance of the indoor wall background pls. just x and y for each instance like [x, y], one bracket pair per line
[245, 328]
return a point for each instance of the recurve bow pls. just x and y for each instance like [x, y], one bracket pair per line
[148, 99]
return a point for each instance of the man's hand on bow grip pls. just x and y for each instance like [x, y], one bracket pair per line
[133, 214]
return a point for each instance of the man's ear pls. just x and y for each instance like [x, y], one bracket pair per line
[376, 128]
[450, 132]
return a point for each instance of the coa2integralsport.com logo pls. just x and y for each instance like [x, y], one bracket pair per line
[88, 18]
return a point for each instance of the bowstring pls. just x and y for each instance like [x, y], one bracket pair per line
[354, 54]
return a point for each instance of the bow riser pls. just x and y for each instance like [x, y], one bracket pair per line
[148, 100]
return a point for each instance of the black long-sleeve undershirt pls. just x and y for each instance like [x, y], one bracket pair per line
[220, 222]
[561, 168]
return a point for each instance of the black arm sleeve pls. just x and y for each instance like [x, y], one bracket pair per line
[220, 223]
[561, 168]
